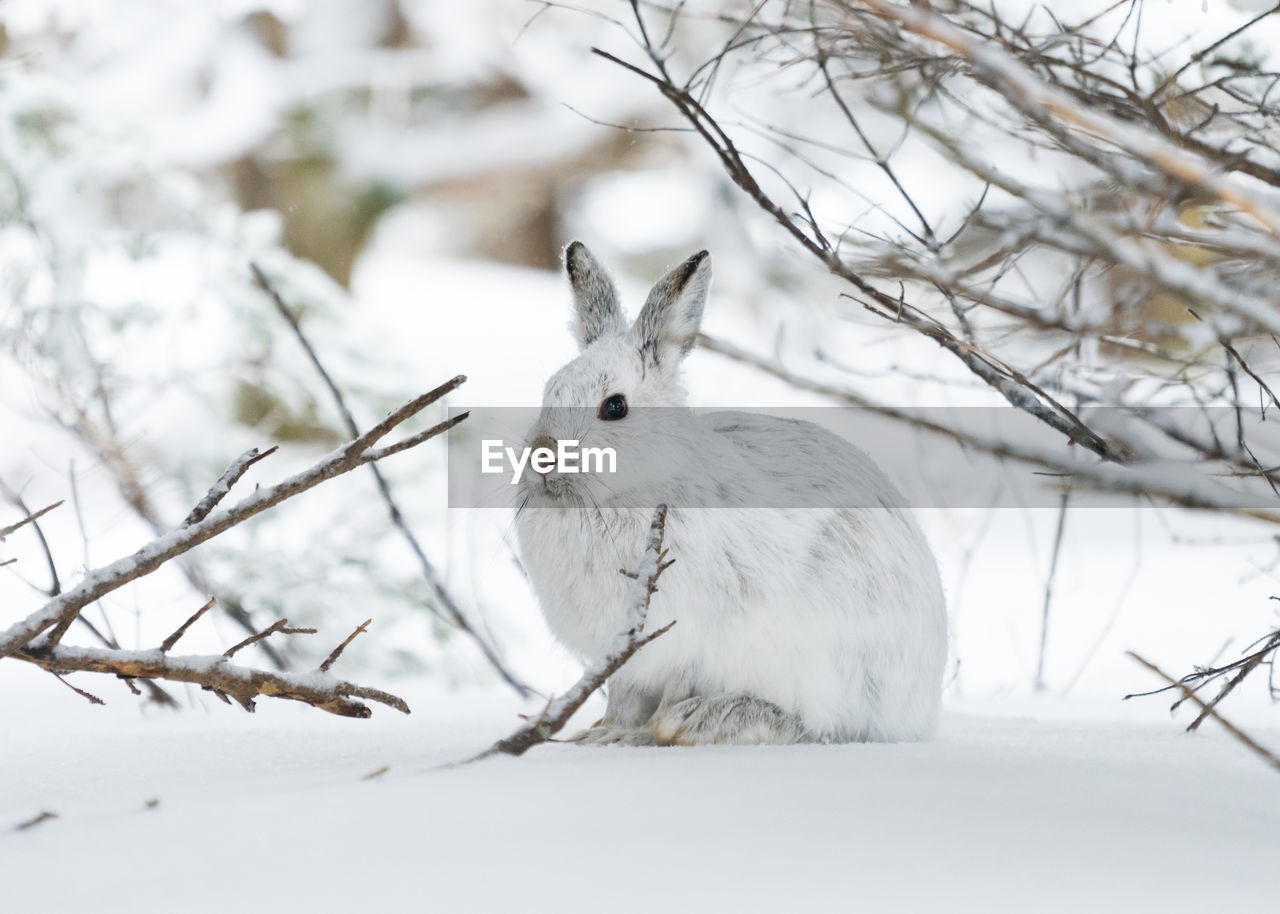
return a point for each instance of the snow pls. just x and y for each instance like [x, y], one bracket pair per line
[270, 811]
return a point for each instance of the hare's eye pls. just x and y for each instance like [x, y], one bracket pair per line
[614, 407]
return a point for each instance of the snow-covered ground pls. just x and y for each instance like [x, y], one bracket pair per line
[220, 810]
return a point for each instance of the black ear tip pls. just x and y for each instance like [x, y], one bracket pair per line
[691, 265]
[571, 254]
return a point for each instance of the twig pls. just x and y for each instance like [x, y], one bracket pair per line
[1048, 589]
[558, 711]
[29, 519]
[1261, 652]
[337, 651]
[1266, 754]
[55, 583]
[39, 819]
[280, 626]
[222, 487]
[92, 699]
[168, 643]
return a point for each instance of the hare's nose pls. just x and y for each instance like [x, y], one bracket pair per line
[543, 441]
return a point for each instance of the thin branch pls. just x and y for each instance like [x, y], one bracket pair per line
[280, 626]
[55, 582]
[453, 613]
[222, 487]
[337, 651]
[38, 819]
[29, 519]
[1048, 589]
[1261, 652]
[1262, 751]
[558, 711]
[168, 643]
[177, 542]
[89, 696]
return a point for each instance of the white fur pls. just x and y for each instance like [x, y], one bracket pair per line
[835, 615]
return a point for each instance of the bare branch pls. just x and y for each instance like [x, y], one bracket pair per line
[39, 819]
[558, 711]
[177, 542]
[168, 643]
[280, 626]
[1262, 751]
[14, 498]
[1039, 681]
[89, 696]
[337, 651]
[1262, 652]
[29, 519]
[452, 612]
[215, 673]
[222, 487]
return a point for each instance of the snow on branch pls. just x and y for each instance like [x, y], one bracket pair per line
[27, 640]
[217, 674]
[559, 710]
[222, 487]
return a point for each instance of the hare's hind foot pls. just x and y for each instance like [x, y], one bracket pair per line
[605, 735]
[734, 719]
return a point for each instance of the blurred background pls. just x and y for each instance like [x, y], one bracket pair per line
[407, 172]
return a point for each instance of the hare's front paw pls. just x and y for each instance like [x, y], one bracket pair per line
[736, 719]
[604, 735]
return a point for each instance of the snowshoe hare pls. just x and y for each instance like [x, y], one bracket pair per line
[808, 624]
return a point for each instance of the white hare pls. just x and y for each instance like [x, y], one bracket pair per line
[795, 624]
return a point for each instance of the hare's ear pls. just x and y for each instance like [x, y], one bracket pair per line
[595, 300]
[673, 310]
